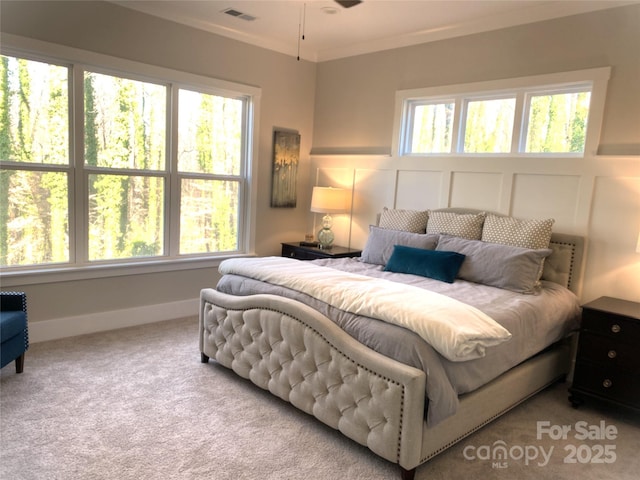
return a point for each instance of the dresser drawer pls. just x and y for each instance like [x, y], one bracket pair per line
[609, 352]
[607, 383]
[614, 326]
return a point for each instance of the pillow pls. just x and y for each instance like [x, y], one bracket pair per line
[465, 225]
[517, 232]
[406, 220]
[379, 246]
[438, 265]
[504, 266]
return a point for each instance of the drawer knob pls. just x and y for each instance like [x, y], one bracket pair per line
[612, 354]
[615, 328]
[607, 383]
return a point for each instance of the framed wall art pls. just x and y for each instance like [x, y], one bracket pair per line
[286, 155]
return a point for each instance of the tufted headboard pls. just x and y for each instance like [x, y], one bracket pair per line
[564, 265]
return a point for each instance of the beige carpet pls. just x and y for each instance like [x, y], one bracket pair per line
[138, 404]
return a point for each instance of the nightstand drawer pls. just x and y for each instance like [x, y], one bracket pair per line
[299, 253]
[607, 383]
[614, 326]
[307, 252]
[608, 352]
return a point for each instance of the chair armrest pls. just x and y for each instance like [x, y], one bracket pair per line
[13, 301]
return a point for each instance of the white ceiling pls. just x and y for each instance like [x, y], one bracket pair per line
[331, 31]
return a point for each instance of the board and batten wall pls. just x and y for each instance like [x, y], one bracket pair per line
[597, 196]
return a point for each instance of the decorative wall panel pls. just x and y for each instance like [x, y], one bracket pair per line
[547, 196]
[428, 183]
[476, 190]
[598, 197]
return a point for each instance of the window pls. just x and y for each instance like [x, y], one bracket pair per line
[431, 127]
[34, 136]
[155, 168]
[489, 125]
[557, 122]
[557, 114]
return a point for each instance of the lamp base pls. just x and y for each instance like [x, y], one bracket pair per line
[325, 238]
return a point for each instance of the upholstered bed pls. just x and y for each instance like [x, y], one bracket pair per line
[449, 319]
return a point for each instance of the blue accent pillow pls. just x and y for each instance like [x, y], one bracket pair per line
[439, 265]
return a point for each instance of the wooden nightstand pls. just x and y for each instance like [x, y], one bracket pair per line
[295, 250]
[608, 356]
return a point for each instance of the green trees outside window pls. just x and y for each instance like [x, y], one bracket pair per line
[489, 125]
[34, 136]
[552, 121]
[433, 128]
[209, 159]
[558, 122]
[134, 176]
[124, 138]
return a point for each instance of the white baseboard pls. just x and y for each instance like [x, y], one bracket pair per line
[111, 320]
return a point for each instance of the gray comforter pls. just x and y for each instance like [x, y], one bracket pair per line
[535, 322]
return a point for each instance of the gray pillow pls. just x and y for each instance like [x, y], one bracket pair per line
[381, 241]
[504, 266]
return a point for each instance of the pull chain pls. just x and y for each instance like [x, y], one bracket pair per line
[301, 23]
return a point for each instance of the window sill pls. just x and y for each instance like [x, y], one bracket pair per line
[71, 273]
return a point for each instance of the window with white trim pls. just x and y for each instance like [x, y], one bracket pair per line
[554, 115]
[105, 166]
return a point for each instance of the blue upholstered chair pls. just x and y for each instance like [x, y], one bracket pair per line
[14, 333]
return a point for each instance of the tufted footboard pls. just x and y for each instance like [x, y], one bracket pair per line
[302, 357]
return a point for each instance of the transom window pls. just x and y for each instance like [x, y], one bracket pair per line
[542, 115]
[153, 168]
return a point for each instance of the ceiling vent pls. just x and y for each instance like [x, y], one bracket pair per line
[235, 13]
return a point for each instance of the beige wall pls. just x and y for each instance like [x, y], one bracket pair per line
[343, 105]
[355, 96]
[288, 89]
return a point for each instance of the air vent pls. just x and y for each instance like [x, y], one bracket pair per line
[235, 13]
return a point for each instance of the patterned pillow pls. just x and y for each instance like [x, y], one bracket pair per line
[464, 225]
[517, 232]
[414, 221]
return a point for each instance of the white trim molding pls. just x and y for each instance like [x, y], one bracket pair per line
[103, 321]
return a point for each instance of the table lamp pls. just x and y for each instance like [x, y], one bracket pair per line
[328, 200]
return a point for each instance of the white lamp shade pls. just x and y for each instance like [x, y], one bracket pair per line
[638, 244]
[329, 200]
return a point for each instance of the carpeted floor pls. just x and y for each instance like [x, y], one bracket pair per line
[137, 403]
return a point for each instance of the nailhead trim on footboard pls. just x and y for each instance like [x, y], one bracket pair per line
[296, 362]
